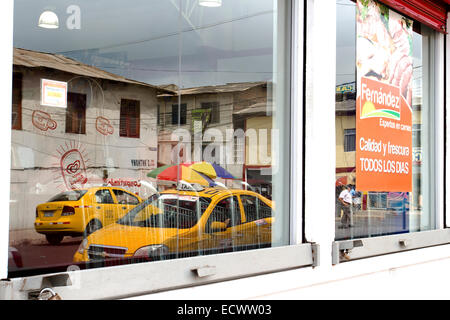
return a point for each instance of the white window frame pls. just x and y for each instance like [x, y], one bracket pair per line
[137, 279]
[348, 250]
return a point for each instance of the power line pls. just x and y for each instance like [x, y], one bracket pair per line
[212, 25]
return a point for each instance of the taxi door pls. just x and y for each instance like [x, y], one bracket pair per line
[228, 212]
[257, 227]
[125, 202]
[104, 206]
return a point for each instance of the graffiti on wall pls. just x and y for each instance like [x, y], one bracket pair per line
[103, 125]
[72, 165]
[43, 121]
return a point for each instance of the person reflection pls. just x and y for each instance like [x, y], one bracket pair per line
[345, 201]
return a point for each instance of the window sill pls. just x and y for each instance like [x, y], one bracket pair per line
[348, 250]
[145, 278]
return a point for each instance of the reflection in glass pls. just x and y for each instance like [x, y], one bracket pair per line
[126, 110]
[382, 213]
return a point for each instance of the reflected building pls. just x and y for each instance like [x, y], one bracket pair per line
[55, 149]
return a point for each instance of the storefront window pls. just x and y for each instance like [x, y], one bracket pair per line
[387, 179]
[148, 130]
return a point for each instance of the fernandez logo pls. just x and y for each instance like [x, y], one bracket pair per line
[379, 100]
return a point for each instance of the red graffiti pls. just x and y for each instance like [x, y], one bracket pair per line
[104, 126]
[123, 183]
[73, 169]
[43, 121]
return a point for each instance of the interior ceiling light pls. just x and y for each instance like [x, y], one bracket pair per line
[210, 3]
[48, 20]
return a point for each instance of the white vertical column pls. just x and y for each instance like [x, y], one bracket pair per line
[320, 126]
[6, 53]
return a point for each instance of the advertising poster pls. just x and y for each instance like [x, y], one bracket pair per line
[384, 96]
[54, 93]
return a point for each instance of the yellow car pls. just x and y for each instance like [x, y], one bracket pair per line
[182, 223]
[82, 211]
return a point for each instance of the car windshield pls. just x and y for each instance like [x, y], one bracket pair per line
[73, 195]
[167, 211]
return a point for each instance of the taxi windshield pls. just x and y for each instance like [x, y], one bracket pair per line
[167, 211]
[73, 195]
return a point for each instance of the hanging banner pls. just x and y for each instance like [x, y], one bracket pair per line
[384, 96]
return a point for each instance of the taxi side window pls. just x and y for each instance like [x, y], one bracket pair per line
[125, 198]
[103, 196]
[226, 210]
[254, 208]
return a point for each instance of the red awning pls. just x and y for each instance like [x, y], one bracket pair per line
[432, 13]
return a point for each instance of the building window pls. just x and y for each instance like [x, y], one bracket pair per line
[179, 114]
[76, 113]
[214, 109]
[129, 118]
[158, 114]
[17, 102]
[349, 140]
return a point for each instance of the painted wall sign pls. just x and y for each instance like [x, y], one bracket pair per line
[384, 97]
[103, 125]
[53, 93]
[348, 87]
[145, 163]
[43, 121]
[123, 183]
[73, 165]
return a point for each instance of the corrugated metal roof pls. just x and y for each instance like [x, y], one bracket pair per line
[346, 106]
[35, 59]
[226, 88]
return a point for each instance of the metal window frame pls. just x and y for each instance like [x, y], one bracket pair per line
[138, 279]
[355, 249]
[347, 135]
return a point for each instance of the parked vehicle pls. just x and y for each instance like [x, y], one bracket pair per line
[184, 222]
[82, 211]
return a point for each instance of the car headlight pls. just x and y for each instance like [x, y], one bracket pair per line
[151, 251]
[83, 246]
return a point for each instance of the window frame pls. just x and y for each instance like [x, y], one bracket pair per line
[348, 250]
[72, 113]
[125, 119]
[179, 114]
[351, 132]
[83, 284]
[17, 79]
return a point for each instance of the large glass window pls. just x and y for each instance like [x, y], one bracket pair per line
[145, 123]
[388, 48]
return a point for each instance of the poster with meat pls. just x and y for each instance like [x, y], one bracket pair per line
[384, 67]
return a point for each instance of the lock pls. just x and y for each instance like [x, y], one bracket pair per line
[48, 294]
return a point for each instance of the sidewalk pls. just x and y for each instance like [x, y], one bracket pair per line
[25, 237]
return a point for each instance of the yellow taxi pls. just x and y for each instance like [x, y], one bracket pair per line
[182, 223]
[82, 211]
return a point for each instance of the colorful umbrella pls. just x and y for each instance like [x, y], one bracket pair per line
[179, 172]
[205, 169]
[212, 170]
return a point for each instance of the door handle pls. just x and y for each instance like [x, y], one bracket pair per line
[124, 207]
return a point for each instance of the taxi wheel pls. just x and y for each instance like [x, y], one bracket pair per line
[91, 227]
[54, 239]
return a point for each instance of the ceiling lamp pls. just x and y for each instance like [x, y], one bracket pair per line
[48, 20]
[210, 3]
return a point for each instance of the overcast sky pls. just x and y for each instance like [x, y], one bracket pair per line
[140, 39]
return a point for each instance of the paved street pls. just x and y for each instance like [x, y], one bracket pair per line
[375, 223]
